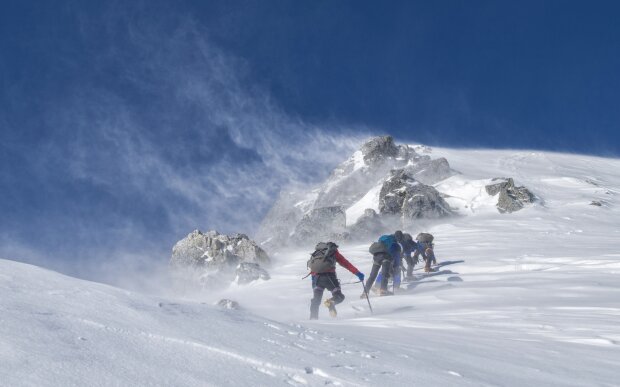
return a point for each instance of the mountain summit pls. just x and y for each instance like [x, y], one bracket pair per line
[394, 181]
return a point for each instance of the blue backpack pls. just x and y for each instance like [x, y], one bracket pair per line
[388, 241]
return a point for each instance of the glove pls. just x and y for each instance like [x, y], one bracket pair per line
[360, 275]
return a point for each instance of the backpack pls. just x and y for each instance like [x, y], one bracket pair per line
[388, 241]
[408, 244]
[378, 248]
[425, 237]
[323, 259]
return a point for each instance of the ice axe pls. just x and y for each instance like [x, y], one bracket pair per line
[366, 294]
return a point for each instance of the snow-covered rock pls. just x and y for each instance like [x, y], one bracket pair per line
[211, 258]
[511, 198]
[379, 149]
[320, 224]
[350, 186]
[430, 171]
[405, 197]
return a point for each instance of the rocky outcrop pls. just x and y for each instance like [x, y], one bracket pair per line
[321, 224]
[295, 216]
[210, 259]
[369, 224]
[378, 149]
[511, 198]
[247, 272]
[402, 195]
[430, 171]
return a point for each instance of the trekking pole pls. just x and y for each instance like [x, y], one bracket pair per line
[367, 299]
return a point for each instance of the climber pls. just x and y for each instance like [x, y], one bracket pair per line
[322, 265]
[386, 257]
[425, 248]
[409, 247]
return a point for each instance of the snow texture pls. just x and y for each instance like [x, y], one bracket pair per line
[527, 298]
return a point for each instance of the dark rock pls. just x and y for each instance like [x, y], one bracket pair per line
[379, 148]
[596, 203]
[402, 195]
[511, 198]
[248, 272]
[495, 188]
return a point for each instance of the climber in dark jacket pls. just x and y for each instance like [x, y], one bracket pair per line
[386, 260]
[409, 248]
[324, 277]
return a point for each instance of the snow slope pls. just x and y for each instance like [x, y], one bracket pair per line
[523, 298]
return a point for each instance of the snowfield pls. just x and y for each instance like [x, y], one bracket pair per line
[528, 298]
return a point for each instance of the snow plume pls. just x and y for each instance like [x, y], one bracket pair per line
[177, 137]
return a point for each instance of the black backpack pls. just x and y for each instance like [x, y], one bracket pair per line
[323, 259]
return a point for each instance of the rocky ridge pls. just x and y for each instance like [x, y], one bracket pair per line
[305, 217]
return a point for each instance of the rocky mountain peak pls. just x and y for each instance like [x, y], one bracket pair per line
[379, 148]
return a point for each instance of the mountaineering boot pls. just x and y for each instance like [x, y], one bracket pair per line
[331, 305]
[384, 292]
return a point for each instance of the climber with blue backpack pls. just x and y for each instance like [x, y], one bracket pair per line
[386, 254]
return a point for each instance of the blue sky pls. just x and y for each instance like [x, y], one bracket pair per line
[124, 127]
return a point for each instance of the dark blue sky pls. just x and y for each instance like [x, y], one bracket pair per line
[538, 74]
[123, 127]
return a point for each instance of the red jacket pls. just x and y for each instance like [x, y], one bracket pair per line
[344, 263]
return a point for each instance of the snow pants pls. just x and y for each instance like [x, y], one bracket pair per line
[411, 262]
[394, 272]
[381, 262]
[426, 250]
[320, 282]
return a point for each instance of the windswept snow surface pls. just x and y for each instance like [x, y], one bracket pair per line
[528, 298]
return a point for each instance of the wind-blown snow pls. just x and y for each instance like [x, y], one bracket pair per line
[358, 160]
[528, 298]
[370, 200]
[467, 196]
